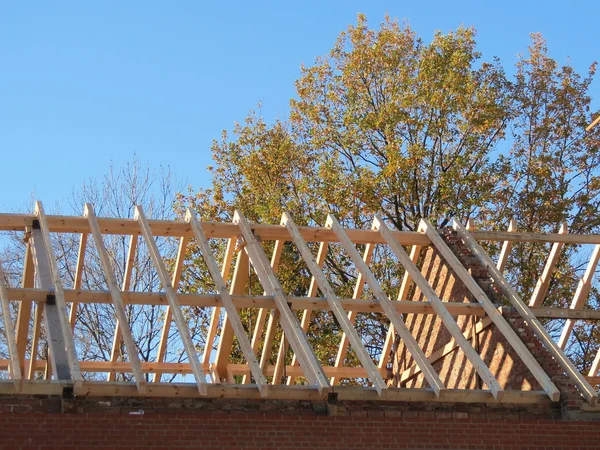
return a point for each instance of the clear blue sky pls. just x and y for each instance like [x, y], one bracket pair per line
[83, 83]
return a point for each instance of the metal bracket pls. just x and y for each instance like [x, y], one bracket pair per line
[50, 299]
[332, 397]
[68, 392]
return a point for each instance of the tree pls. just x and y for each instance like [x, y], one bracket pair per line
[115, 195]
[388, 124]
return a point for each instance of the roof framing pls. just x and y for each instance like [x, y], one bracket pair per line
[214, 374]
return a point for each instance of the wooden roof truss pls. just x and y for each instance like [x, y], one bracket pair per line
[306, 376]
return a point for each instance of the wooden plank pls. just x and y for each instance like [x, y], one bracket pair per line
[78, 277]
[541, 287]
[228, 304]
[440, 307]
[386, 304]
[289, 323]
[117, 337]
[35, 338]
[581, 295]
[164, 335]
[163, 276]
[506, 247]
[526, 314]
[357, 294]
[478, 364]
[595, 122]
[240, 281]
[55, 315]
[298, 303]
[216, 312]
[95, 389]
[402, 294]
[9, 331]
[307, 313]
[336, 307]
[115, 294]
[73, 224]
[262, 316]
[24, 315]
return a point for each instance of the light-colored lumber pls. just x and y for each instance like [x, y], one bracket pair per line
[262, 316]
[531, 320]
[9, 331]
[298, 303]
[216, 312]
[581, 295]
[164, 334]
[595, 122]
[78, 276]
[415, 251]
[307, 313]
[180, 322]
[399, 326]
[57, 322]
[506, 247]
[238, 285]
[117, 338]
[289, 323]
[24, 315]
[541, 287]
[336, 307]
[357, 294]
[488, 305]
[478, 364]
[228, 304]
[35, 339]
[115, 294]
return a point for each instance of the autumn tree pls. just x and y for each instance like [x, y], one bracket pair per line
[386, 123]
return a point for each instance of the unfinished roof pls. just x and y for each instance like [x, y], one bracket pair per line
[47, 304]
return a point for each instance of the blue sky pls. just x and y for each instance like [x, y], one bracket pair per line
[86, 83]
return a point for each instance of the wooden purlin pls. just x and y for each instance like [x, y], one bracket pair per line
[586, 390]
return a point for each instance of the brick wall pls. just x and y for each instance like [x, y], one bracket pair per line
[291, 430]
